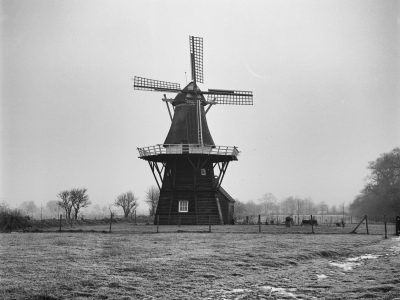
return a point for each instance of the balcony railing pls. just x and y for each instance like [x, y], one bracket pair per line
[187, 149]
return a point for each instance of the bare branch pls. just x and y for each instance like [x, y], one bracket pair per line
[152, 196]
[128, 202]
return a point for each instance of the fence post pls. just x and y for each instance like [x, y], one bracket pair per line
[398, 225]
[158, 221]
[111, 215]
[312, 225]
[259, 223]
[209, 224]
[384, 219]
[362, 220]
[366, 223]
[60, 222]
[247, 220]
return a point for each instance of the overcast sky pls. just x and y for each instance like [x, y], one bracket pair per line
[324, 74]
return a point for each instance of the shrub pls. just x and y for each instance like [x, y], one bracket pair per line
[12, 219]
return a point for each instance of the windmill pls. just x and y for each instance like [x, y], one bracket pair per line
[188, 167]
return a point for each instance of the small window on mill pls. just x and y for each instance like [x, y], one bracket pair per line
[203, 172]
[183, 206]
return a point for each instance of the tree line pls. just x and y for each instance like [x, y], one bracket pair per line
[74, 203]
[268, 204]
[75, 199]
[128, 202]
[381, 193]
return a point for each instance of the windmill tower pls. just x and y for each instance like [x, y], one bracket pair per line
[188, 167]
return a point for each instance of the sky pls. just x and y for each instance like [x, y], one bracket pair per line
[324, 75]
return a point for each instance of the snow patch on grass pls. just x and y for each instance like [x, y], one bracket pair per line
[363, 257]
[321, 276]
[396, 247]
[346, 266]
[239, 290]
[352, 262]
[273, 291]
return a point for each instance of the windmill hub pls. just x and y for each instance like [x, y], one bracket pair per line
[188, 166]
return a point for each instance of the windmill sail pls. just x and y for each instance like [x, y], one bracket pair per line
[145, 84]
[196, 58]
[230, 97]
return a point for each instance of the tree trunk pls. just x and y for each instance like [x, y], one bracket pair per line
[69, 214]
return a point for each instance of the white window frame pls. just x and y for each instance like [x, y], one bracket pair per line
[203, 172]
[183, 206]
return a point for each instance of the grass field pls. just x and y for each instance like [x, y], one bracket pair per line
[232, 262]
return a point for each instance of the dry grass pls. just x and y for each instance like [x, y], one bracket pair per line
[196, 265]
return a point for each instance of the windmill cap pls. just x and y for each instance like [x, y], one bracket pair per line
[187, 93]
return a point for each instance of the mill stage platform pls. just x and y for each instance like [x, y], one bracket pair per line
[161, 151]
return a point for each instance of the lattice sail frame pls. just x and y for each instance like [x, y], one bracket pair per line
[214, 96]
[196, 55]
[230, 97]
[145, 84]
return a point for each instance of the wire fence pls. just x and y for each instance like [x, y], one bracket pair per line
[259, 224]
[322, 219]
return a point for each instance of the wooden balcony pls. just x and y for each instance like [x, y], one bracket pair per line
[162, 150]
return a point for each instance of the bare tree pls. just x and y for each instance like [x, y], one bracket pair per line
[127, 202]
[29, 207]
[152, 196]
[104, 211]
[79, 199]
[239, 210]
[3, 206]
[322, 208]
[268, 202]
[65, 203]
[289, 205]
[53, 208]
